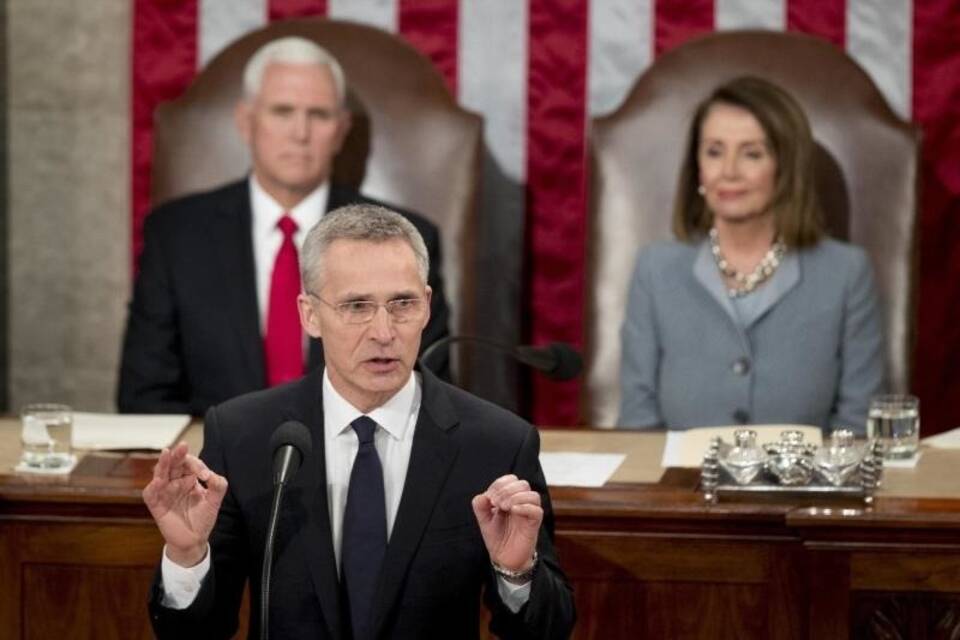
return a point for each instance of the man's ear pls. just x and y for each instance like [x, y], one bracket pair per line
[241, 119]
[346, 122]
[309, 316]
[428, 295]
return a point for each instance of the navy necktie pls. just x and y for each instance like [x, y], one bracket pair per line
[364, 531]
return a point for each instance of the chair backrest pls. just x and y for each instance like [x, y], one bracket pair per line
[410, 144]
[867, 178]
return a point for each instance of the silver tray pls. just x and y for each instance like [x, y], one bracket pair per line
[716, 483]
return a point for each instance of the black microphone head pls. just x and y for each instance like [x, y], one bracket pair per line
[290, 434]
[568, 365]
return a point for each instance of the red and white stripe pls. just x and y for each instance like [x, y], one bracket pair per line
[537, 70]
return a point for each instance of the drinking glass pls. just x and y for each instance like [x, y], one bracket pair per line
[895, 421]
[46, 435]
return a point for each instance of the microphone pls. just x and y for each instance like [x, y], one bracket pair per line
[291, 444]
[558, 360]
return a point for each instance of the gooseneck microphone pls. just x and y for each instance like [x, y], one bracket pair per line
[557, 360]
[291, 445]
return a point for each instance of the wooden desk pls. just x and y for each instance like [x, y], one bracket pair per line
[655, 561]
[647, 557]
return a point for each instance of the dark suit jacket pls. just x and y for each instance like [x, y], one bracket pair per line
[436, 561]
[193, 330]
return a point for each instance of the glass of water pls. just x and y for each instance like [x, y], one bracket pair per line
[895, 421]
[46, 435]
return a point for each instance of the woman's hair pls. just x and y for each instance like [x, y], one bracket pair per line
[795, 205]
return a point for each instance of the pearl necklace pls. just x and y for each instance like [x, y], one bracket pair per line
[746, 282]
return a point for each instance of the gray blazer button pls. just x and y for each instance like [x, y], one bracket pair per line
[741, 366]
[741, 416]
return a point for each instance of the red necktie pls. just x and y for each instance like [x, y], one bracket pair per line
[283, 343]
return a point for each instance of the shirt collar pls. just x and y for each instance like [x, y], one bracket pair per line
[266, 211]
[393, 415]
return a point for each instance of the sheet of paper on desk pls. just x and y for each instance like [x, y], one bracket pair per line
[686, 448]
[105, 431]
[946, 440]
[570, 469]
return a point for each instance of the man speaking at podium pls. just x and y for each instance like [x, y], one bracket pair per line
[415, 494]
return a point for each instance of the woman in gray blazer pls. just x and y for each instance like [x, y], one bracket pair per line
[752, 315]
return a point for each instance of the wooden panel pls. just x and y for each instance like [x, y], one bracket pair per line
[631, 609]
[695, 611]
[9, 582]
[94, 576]
[79, 602]
[616, 556]
[916, 571]
[828, 589]
[786, 596]
[103, 543]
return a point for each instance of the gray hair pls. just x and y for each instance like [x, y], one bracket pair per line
[368, 222]
[290, 50]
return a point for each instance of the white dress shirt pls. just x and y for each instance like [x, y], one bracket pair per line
[397, 422]
[267, 237]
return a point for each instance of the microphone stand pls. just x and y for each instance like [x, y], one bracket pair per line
[435, 347]
[268, 546]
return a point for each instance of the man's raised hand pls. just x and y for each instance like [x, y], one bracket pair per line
[509, 515]
[184, 497]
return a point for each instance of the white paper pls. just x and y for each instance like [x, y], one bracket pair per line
[127, 431]
[946, 440]
[687, 448]
[673, 450]
[571, 469]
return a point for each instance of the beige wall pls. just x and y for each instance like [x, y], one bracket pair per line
[69, 212]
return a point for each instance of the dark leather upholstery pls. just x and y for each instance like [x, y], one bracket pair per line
[868, 167]
[410, 145]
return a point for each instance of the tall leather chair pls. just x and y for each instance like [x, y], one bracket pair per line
[410, 144]
[867, 177]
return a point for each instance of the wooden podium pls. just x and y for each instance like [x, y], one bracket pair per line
[647, 557]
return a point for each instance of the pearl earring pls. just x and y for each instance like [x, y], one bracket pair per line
[702, 190]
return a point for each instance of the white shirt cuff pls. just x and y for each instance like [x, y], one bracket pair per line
[514, 596]
[182, 584]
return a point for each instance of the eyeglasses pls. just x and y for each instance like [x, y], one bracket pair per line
[363, 311]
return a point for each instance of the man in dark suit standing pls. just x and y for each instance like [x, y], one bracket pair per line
[213, 313]
[415, 496]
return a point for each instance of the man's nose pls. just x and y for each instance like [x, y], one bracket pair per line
[301, 126]
[381, 327]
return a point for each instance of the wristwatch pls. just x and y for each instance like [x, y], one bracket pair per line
[517, 577]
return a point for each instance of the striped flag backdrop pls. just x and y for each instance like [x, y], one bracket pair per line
[538, 70]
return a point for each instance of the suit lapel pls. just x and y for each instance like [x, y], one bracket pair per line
[317, 540]
[431, 459]
[229, 238]
[786, 278]
[707, 276]
[705, 272]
